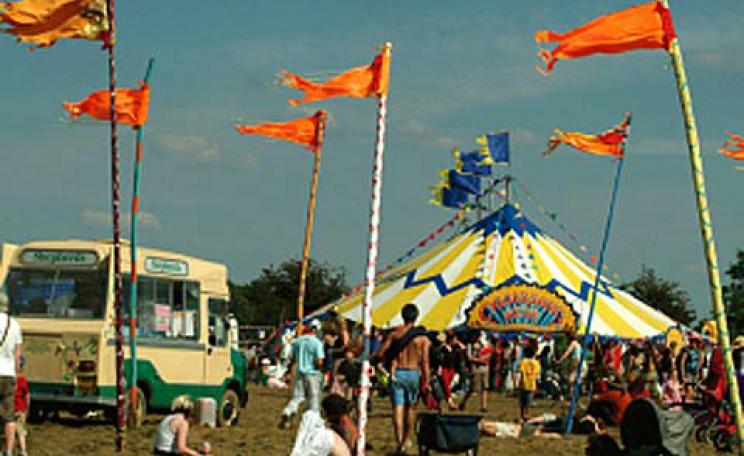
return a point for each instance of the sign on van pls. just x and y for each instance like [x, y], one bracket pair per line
[166, 266]
[59, 257]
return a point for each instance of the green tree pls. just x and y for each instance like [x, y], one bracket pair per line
[733, 294]
[271, 298]
[664, 295]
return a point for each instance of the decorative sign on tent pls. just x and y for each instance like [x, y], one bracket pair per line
[522, 308]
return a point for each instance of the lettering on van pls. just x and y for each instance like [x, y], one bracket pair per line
[59, 257]
[166, 266]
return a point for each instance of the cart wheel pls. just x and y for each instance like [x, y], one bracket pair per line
[722, 440]
[700, 433]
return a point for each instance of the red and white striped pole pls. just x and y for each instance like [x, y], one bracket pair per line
[372, 250]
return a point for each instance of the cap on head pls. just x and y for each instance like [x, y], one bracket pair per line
[409, 313]
[315, 325]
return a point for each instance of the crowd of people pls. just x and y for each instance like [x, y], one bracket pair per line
[444, 370]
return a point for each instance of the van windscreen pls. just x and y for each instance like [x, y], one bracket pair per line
[57, 293]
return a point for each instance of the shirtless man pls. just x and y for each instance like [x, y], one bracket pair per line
[409, 371]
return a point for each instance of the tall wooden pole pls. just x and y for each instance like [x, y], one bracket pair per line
[706, 231]
[372, 250]
[133, 264]
[587, 329]
[119, 318]
[309, 225]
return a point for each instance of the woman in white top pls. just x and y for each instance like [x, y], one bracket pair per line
[173, 431]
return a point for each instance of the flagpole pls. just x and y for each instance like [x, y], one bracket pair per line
[309, 225]
[133, 264]
[706, 229]
[372, 250]
[119, 319]
[577, 383]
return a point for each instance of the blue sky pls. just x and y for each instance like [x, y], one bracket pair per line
[457, 72]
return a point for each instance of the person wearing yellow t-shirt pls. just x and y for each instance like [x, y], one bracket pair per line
[529, 372]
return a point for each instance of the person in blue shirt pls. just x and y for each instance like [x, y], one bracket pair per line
[306, 360]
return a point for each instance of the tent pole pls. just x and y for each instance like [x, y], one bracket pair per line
[577, 383]
[372, 250]
[309, 225]
[706, 230]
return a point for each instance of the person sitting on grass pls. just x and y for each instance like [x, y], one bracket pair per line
[173, 432]
[529, 370]
[314, 438]
[336, 411]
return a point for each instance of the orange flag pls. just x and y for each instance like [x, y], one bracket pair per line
[132, 106]
[734, 147]
[647, 26]
[360, 82]
[43, 22]
[611, 142]
[307, 131]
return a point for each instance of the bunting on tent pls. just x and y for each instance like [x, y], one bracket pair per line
[360, 82]
[734, 147]
[611, 142]
[43, 22]
[445, 283]
[646, 26]
[132, 106]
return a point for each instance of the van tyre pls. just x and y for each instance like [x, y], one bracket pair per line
[134, 420]
[229, 408]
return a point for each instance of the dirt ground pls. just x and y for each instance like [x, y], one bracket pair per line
[257, 434]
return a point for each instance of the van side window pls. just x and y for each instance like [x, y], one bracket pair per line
[218, 326]
[166, 309]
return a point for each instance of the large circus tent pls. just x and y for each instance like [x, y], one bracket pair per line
[506, 272]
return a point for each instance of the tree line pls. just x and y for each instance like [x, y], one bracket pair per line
[271, 298]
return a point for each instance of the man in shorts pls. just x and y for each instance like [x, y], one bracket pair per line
[406, 350]
[480, 358]
[10, 359]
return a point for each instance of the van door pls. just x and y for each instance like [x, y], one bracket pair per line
[218, 366]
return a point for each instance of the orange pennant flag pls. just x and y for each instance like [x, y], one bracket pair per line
[611, 142]
[132, 106]
[360, 82]
[307, 131]
[646, 26]
[43, 22]
[734, 147]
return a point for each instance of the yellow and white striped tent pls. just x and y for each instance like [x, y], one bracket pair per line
[501, 249]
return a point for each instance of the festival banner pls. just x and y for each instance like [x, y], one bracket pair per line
[522, 307]
[132, 106]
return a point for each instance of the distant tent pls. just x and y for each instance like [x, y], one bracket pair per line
[505, 273]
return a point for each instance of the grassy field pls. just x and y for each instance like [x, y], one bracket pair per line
[257, 434]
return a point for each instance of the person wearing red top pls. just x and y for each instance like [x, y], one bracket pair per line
[610, 406]
[480, 359]
[22, 402]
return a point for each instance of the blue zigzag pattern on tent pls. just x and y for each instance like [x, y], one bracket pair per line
[554, 285]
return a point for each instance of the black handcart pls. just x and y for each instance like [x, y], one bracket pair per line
[447, 433]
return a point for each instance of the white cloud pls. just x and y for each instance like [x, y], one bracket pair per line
[425, 134]
[189, 147]
[147, 220]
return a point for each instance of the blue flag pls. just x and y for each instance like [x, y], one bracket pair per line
[453, 197]
[472, 163]
[466, 182]
[496, 146]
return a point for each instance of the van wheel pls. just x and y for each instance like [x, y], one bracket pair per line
[229, 408]
[134, 420]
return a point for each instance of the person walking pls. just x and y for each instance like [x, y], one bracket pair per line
[406, 356]
[306, 360]
[480, 358]
[10, 360]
